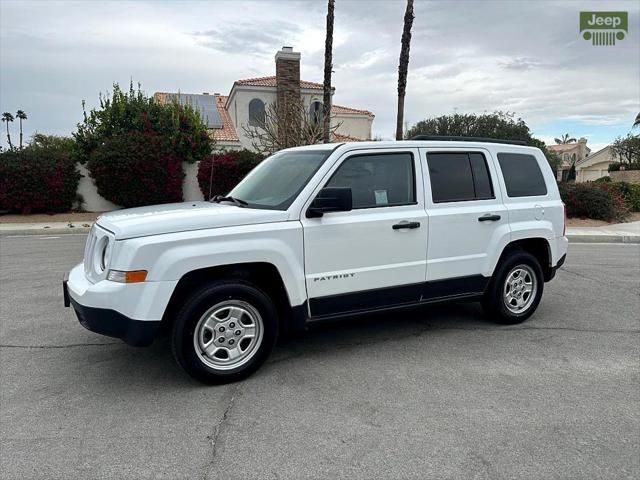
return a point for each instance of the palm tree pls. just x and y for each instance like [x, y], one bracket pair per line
[7, 117]
[637, 122]
[328, 54]
[564, 139]
[20, 115]
[403, 67]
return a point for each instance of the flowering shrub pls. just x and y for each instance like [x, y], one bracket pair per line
[219, 173]
[136, 169]
[134, 147]
[41, 177]
[630, 193]
[600, 201]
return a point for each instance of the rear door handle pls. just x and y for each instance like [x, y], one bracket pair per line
[489, 218]
[401, 225]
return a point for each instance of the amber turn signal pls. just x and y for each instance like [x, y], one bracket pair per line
[135, 276]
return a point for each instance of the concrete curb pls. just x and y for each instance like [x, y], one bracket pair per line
[633, 239]
[45, 231]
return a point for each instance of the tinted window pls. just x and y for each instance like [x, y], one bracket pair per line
[377, 180]
[481, 179]
[522, 175]
[459, 176]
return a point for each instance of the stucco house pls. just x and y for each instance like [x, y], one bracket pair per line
[570, 154]
[589, 166]
[226, 115]
[595, 165]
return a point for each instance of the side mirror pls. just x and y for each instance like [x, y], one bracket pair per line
[330, 199]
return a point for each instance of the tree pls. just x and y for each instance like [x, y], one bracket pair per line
[403, 67]
[498, 125]
[133, 135]
[302, 128]
[20, 115]
[7, 117]
[328, 65]
[627, 149]
[566, 138]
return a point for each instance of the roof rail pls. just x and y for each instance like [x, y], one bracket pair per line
[467, 139]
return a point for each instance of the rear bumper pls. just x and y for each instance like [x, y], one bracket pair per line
[553, 271]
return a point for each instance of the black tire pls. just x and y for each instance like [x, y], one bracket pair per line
[200, 302]
[494, 302]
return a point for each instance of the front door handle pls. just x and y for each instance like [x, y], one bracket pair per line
[489, 218]
[401, 225]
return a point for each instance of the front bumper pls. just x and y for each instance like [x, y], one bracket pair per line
[136, 333]
[130, 312]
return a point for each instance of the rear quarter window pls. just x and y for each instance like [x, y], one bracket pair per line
[522, 175]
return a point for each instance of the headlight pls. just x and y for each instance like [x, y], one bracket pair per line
[101, 254]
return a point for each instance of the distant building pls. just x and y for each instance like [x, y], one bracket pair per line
[227, 115]
[570, 154]
[595, 165]
[589, 166]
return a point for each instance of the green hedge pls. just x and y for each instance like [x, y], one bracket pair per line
[599, 201]
[630, 192]
[39, 178]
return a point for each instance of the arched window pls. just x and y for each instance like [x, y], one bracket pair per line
[316, 111]
[256, 112]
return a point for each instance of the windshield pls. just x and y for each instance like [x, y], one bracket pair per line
[277, 181]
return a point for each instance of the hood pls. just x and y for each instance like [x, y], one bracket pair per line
[182, 217]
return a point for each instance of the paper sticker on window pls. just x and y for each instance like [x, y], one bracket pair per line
[381, 197]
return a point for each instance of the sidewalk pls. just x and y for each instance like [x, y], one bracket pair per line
[45, 228]
[615, 233]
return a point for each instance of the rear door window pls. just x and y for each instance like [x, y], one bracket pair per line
[522, 175]
[459, 176]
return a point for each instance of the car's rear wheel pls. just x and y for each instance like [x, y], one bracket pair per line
[224, 332]
[515, 289]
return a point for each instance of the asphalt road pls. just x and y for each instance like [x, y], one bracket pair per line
[435, 393]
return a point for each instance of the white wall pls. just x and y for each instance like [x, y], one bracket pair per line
[93, 202]
[358, 126]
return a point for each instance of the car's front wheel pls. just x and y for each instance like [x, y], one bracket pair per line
[225, 331]
[515, 289]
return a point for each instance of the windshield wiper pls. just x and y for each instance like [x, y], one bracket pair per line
[236, 201]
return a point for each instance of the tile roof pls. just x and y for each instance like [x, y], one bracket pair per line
[338, 137]
[340, 109]
[271, 82]
[228, 132]
[562, 148]
[225, 134]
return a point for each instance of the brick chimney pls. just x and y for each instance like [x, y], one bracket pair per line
[288, 75]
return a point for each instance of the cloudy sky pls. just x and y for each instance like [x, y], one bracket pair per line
[466, 56]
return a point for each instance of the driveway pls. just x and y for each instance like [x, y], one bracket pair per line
[434, 393]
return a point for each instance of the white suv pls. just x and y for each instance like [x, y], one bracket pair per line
[320, 232]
